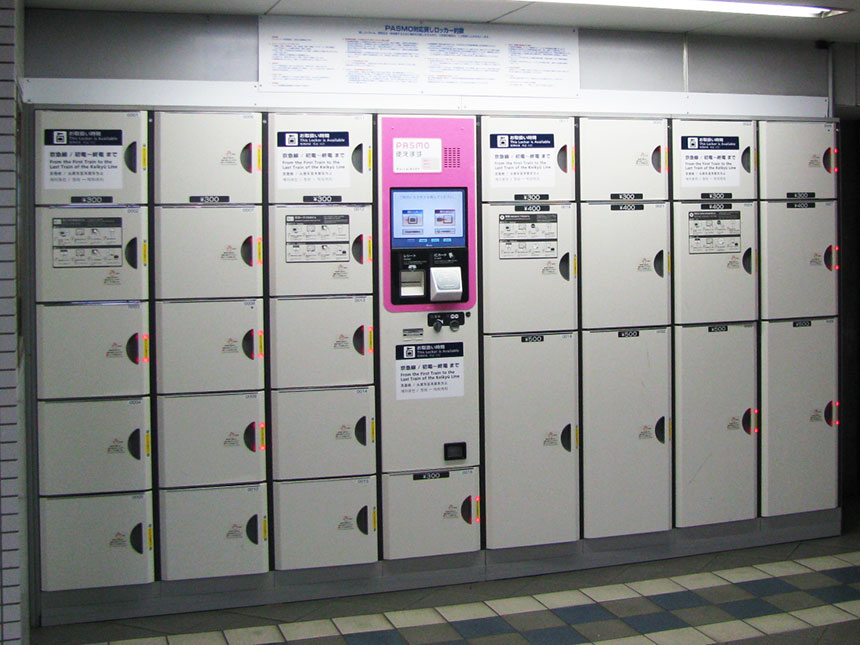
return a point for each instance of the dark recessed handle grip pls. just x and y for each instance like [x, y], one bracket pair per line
[466, 510]
[247, 251]
[747, 260]
[250, 437]
[658, 264]
[358, 340]
[245, 158]
[660, 430]
[561, 159]
[657, 159]
[565, 438]
[133, 444]
[131, 253]
[132, 349]
[746, 421]
[252, 530]
[361, 431]
[135, 538]
[564, 266]
[130, 157]
[358, 249]
[746, 159]
[361, 520]
[827, 160]
[358, 157]
[248, 344]
[828, 258]
[828, 413]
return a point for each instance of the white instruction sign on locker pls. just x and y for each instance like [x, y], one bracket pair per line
[525, 160]
[417, 155]
[313, 159]
[429, 371]
[710, 161]
[317, 238]
[83, 159]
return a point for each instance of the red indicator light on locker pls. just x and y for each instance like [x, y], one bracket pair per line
[755, 430]
[477, 509]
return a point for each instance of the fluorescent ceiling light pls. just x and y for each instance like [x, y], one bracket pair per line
[719, 6]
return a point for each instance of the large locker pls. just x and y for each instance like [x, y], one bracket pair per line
[320, 250]
[625, 268]
[797, 160]
[208, 158]
[323, 433]
[211, 532]
[96, 541]
[209, 346]
[799, 259]
[713, 159]
[94, 446]
[85, 254]
[431, 513]
[715, 263]
[91, 157]
[800, 416]
[623, 159]
[322, 341]
[527, 159]
[325, 523]
[211, 439]
[716, 427]
[626, 427]
[320, 158]
[532, 439]
[209, 252]
[529, 267]
[87, 350]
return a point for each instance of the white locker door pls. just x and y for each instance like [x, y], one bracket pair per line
[208, 158]
[92, 350]
[211, 439]
[623, 159]
[625, 268]
[320, 158]
[430, 513]
[529, 267]
[715, 262]
[715, 424]
[209, 346]
[325, 523]
[531, 439]
[96, 541]
[94, 446]
[86, 254]
[320, 250]
[527, 159]
[91, 157]
[209, 252]
[322, 341]
[212, 532]
[799, 259]
[797, 160]
[323, 433]
[713, 159]
[626, 427]
[800, 416]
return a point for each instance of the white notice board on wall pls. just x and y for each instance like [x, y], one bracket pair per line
[399, 57]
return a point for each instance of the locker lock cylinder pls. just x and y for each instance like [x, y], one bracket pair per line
[453, 320]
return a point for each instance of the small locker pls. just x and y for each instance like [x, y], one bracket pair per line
[94, 446]
[716, 424]
[527, 159]
[800, 416]
[625, 268]
[211, 439]
[797, 160]
[626, 429]
[209, 346]
[91, 157]
[713, 159]
[86, 254]
[623, 159]
[799, 259]
[529, 267]
[320, 250]
[715, 262]
[323, 433]
[211, 532]
[86, 350]
[209, 252]
[532, 439]
[208, 158]
[325, 523]
[322, 341]
[431, 513]
[96, 541]
[320, 158]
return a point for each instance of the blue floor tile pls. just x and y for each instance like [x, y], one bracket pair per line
[659, 622]
[478, 627]
[751, 608]
[845, 575]
[383, 637]
[554, 636]
[583, 614]
[839, 593]
[766, 587]
[678, 600]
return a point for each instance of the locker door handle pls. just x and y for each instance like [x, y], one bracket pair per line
[746, 421]
[130, 157]
[361, 431]
[358, 340]
[660, 430]
[358, 157]
[831, 415]
[658, 264]
[358, 249]
[828, 159]
[252, 530]
[250, 436]
[245, 158]
[132, 350]
[466, 510]
[747, 260]
[131, 253]
[561, 159]
[135, 538]
[829, 256]
[657, 159]
[133, 444]
[248, 344]
[564, 266]
[565, 438]
[247, 251]
[746, 157]
[361, 520]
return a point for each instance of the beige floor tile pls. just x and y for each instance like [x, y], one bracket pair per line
[785, 568]
[822, 563]
[852, 557]
[742, 574]
[468, 611]
[699, 581]
[824, 615]
[414, 618]
[777, 623]
[684, 636]
[851, 606]
[609, 592]
[308, 629]
[732, 630]
[151, 640]
[519, 605]
[654, 587]
[362, 624]
[558, 599]
[254, 635]
[629, 640]
[204, 638]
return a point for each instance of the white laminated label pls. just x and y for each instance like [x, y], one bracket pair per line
[710, 161]
[413, 155]
[78, 159]
[522, 160]
[313, 159]
[429, 371]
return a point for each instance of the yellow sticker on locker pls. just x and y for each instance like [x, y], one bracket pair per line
[577, 436]
[670, 429]
[143, 156]
[370, 248]
[373, 430]
[370, 338]
[260, 336]
[265, 528]
[575, 267]
[260, 250]
[374, 518]
[669, 262]
[148, 442]
[262, 436]
[370, 158]
[149, 536]
[477, 509]
[146, 348]
[260, 158]
[145, 253]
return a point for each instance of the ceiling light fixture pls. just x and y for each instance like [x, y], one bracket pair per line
[719, 6]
